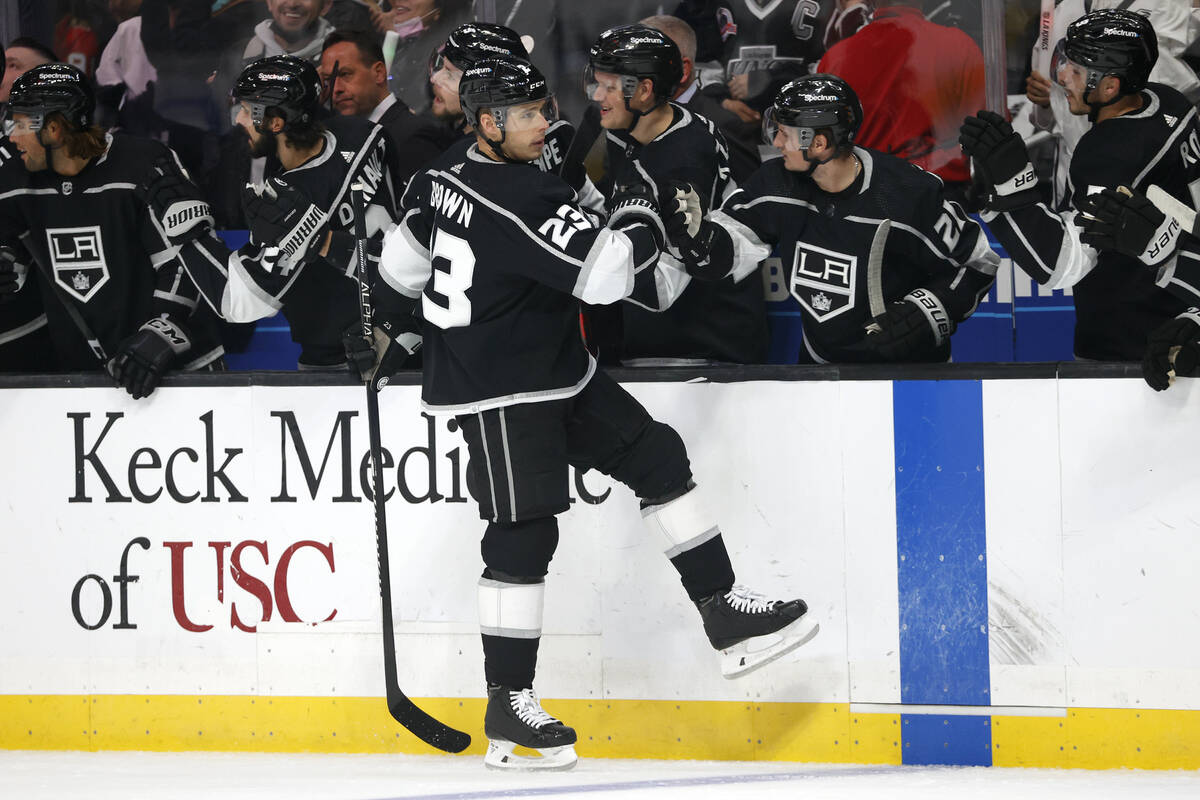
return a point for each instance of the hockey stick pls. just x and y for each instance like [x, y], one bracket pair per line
[93, 342]
[875, 273]
[1044, 46]
[1172, 207]
[403, 710]
[572, 169]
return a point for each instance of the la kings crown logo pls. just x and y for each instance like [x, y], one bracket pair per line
[77, 258]
[823, 281]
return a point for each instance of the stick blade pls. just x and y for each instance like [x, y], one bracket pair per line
[424, 727]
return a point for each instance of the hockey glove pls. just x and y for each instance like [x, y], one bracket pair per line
[377, 358]
[280, 216]
[1171, 350]
[913, 327]
[1129, 224]
[10, 277]
[633, 203]
[141, 359]
[1000, 159]
[175, 202]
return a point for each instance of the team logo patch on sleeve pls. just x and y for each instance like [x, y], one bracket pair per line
[823, 281]
[77, 259]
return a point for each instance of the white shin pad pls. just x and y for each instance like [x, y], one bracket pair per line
[683, 523]
[511, 609]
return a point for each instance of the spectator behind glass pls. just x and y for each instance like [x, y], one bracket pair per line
[917, 82]
[79, 32]
[22, 55]
[353, 71]
[125, 73]
[420, 26]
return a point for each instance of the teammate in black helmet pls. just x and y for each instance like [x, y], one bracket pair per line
[97, 215]
[633, 71]
[1119, 253]
[499, 255]
[464, 47]
[882, 265]
[298, 261]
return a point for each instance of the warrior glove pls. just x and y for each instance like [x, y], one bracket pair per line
[633, 203]
[1001, 161]
[176, 203]
[1173, 349]
[143, 358]
[376, 358]
[910, 328]
[280, 216]
[1129, 224]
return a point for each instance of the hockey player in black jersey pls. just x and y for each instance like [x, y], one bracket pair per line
[499, 255]
[882, 265]
[93, 215]
[1143, 134]
[633, 70]
[299, 258]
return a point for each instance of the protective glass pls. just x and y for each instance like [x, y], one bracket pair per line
[1070, 75]
[793, 138]
[443, 74]
[611, 85]
[526, 116]
[30, 122]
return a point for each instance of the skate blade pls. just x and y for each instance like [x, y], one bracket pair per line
[745, 657]
[501, 756]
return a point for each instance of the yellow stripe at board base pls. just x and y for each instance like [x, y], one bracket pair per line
[652, 729]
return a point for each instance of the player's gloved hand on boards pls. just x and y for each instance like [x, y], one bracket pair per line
[633, 202]
[175, 201]
[10, 279]
[143, 358]
[281, 216]
[908, 328]
[1129, 224]
[1175, 340]
[1000, 159]
[375, 359]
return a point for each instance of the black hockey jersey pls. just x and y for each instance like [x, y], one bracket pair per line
[683, 319]
[21, 315]
[107, 253]
[773, 41]
[824, 241]
[500, 256]
[1118, 300]
[318, 298]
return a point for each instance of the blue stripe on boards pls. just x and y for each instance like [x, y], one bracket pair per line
[942, 569]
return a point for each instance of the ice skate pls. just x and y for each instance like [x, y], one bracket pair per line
[752, 631]
[515, 718]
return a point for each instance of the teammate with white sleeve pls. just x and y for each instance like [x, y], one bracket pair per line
[499, 254]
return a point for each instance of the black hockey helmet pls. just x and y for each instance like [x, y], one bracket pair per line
[636, 52]
[51, 88]
[287, 84]
[812, 103]
[497, 84]
[1109, 42]
[472, 42]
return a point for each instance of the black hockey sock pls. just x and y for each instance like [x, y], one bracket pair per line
[705, 569]
[509, 662]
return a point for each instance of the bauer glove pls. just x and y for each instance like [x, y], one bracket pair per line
[910, 329]
[1172, 350]
[143, 358]
[1129, 224]
[1000, 159]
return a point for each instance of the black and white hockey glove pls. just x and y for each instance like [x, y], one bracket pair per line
[377, 358]
[11, 277]
[633, 203]
[1129, 224]
[912, 327]
[143, 358]
[683, 219]
[176, 203]
[1173, 349]
[280, 216]
[1000, 160]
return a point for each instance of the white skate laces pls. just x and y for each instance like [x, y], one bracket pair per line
[747, 601]
[528, 709]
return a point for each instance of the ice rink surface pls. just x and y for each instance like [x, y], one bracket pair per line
[232, 776]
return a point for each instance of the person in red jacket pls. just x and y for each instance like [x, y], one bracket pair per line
[917, 81]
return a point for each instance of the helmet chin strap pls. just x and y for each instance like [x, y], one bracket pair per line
[497, 149]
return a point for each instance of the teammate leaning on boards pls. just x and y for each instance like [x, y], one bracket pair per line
[633, 71]
[94, 214]
[499, 255]
[1142, 134]
[827, 204]
[293, 263]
